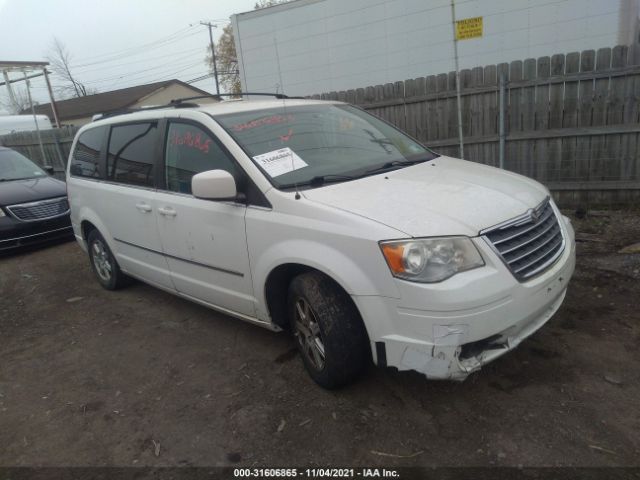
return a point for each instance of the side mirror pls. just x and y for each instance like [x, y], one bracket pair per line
[49, 169]
[214, 185]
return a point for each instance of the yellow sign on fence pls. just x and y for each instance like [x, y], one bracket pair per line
[468, 28]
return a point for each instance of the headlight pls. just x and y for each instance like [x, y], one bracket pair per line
[430, 260]
[2, 214]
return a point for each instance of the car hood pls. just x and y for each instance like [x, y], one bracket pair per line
[31, 190]
[445, 196]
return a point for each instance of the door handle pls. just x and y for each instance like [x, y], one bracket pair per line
[167, 211]
[143, 207]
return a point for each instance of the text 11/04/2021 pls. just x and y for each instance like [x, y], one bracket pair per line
[315, 473]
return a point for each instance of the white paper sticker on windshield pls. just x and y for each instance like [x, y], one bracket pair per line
[279, 162]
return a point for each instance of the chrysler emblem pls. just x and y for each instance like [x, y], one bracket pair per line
[534, 215]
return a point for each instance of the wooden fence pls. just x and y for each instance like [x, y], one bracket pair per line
[570, 121]
[56, 144]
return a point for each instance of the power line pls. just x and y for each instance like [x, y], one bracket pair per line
[209, 75]
[129, 50]
[158, 78]
[173, 74]
[105, 61]
[135, 54]
[143, 72]
[141, 78]
[138, 51]
[200, 78]
[163, 56]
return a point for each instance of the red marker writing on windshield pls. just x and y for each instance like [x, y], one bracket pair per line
[285, 138]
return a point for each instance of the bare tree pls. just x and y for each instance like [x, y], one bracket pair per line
[21, 102]
[60, 59]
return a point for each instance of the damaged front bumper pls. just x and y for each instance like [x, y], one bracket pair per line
[456, 362]
[473, 318]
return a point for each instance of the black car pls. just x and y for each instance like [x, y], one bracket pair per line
[33, 206]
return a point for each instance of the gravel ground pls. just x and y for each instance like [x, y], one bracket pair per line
[140, 377]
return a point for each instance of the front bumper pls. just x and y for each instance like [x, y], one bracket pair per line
[15, 234]
[472, 318]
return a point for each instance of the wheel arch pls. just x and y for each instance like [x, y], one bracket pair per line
[276, 290]
[86, 227]
[275, 267]
[89, 220]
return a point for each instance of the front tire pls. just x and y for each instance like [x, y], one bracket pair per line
[328, 330]
[104, 264]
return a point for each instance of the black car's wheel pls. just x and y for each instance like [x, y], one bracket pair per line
[328, 330]
[104, 264]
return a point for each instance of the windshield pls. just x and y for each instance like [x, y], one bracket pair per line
[299, 145]
[14, 166]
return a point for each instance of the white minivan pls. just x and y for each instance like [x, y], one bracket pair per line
[23, 123]
[319, 218]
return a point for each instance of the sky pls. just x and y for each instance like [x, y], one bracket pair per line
[115, 43]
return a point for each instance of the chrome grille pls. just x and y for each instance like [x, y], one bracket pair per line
[42, 210]
[530, 243]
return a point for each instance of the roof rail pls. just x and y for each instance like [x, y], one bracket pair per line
[184, 103]
[239, 94]
[123, 111]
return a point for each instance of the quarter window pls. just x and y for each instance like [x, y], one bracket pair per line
[86, 157]
[191, 150]
[131, 156]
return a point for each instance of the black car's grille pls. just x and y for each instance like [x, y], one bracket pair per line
[528, 244]
[29, 212]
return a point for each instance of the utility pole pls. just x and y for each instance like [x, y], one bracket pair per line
[35, 119]
[213, 53]
[12, 97]
[455, 54]
[54, 108]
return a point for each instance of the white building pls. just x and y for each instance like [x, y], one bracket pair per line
[314, 46]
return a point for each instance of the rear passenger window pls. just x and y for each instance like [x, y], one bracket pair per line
[191, 150]
[86, 156]
[131, 157]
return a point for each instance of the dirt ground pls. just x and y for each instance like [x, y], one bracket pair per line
[140, 377]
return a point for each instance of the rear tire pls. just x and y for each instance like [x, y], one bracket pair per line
[104, 264]
[328, 330]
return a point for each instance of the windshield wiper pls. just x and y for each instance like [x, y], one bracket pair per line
[395, 164]
[320, 180]
[12, 179]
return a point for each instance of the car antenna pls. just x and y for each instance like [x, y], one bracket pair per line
[284, 111]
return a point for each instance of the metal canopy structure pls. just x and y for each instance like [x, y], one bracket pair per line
[29, 67]
[27, 70]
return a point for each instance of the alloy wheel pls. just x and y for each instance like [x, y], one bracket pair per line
[101, 260]
[307, 331]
